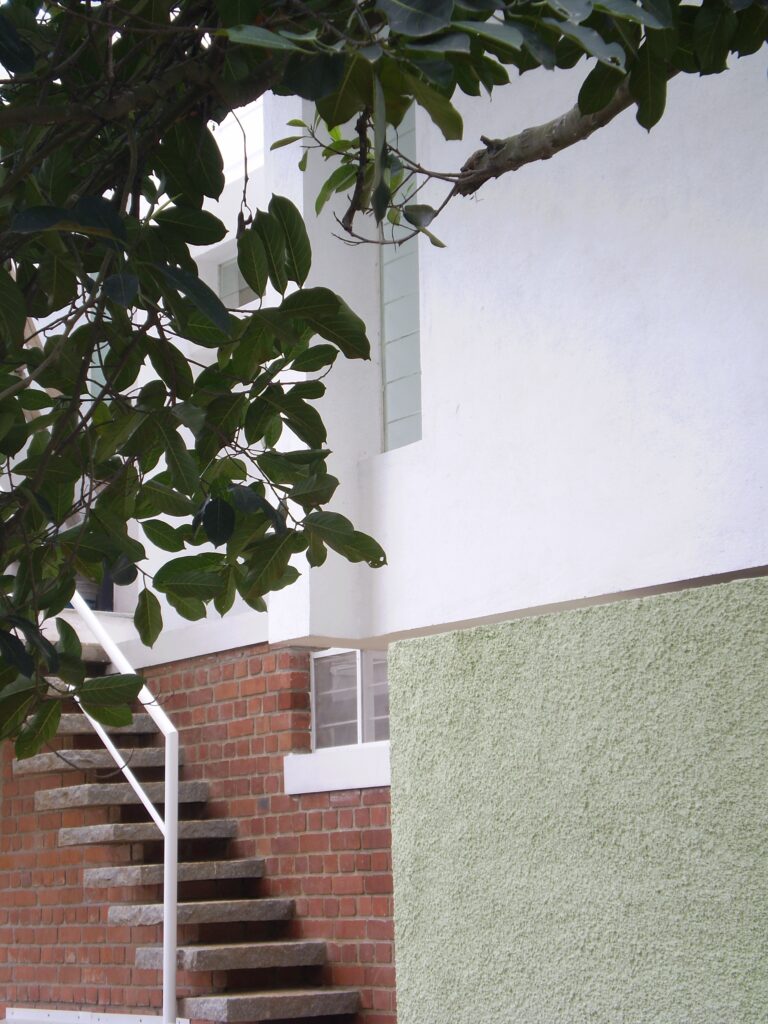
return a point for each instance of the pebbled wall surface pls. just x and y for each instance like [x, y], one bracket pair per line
[580, 826]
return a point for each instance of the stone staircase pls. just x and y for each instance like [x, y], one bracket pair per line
[247, 970]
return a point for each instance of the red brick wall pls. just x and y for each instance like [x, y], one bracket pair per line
[238, 713]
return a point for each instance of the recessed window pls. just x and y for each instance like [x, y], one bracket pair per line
[350, 696]
[401, 356]
[233, 289]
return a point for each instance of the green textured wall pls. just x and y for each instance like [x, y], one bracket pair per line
[579, 815]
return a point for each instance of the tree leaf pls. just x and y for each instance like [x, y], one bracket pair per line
[297, 247]
[338, 533]
[713, 29]
[191, 608]
[113, 716]
[69, 641]
[342, 178]
[440, 110]
[218, 521]
[13, 316]
[16, 56]
[627, 10]
[419, 215]
[416, 17]
[111, 690]
[330, 317]
[271, 234]
[41, 728]
[589, 41]
[315, 358]
[163, 535]
[252, 35]
[209, 304]
[148, 617]
[648, 86]
[598, 88]
[197, 227]
[501, 34]
[197, 576]
[122, 289]
[252, 260]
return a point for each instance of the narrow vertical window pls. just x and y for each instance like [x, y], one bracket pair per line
[401, 357]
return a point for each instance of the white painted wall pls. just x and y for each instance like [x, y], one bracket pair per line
[594, 370]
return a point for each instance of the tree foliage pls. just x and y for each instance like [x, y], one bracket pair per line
[134, 406]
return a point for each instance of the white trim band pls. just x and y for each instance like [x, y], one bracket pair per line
[358, 766]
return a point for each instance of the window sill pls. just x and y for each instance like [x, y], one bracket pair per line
[360, 766]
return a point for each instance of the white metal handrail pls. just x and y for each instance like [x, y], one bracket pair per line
[168, 825]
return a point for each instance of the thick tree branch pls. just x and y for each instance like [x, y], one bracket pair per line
[538, 143]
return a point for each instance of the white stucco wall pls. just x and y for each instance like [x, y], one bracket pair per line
[594, 370]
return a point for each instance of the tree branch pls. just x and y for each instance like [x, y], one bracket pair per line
[538, 143]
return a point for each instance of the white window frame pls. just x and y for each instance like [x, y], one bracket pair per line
[328, 769]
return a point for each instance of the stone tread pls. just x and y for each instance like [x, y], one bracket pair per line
[204, 912]
[238, 956]
[110, 794]
[271, 1005]
[78, 725]
[189, 871]
[145, 832]
[85, 760]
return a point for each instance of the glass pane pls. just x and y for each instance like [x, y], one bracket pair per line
[375, 696]
[335, 680]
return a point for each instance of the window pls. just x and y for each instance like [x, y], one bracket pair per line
[401, 358]
[350, 698]
[233, 289]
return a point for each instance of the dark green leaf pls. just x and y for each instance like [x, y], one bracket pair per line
[588, 40]
[627, 10]
[12, 310]
[197, 227]
[13, 652]
[113, 716]
[158, 499]
[16, 56]
[599, 88]
[252, 35]
[271, 234]
[122, 288]
[252, 260]
[191, 608]
[331, 318]
[69, 642]
[297, 247]
[41, 728]
[163, 535]
[418, 215]
[501, 34]
[648, 86]
[148, 618]
[440, 110]
[111, 690]
[218, 521]
[209, 304]
[713, 29]
[197, 576]
[313, 77]
[338, 533]
[315, 358]
[417, 17]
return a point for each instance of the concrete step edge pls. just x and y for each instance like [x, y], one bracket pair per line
[109, 794]
[145, 832]
[204, 911]
[277, 1004]
[152, 874]
[238, 955]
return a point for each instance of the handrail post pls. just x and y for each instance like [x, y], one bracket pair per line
[170, 876]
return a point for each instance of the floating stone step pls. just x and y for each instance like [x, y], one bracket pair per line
[238, 956]
[78, 725]
[86, 760]
[204, 912]
[110, 794]
[145, 832]
[189, 871]
[275, 1005]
